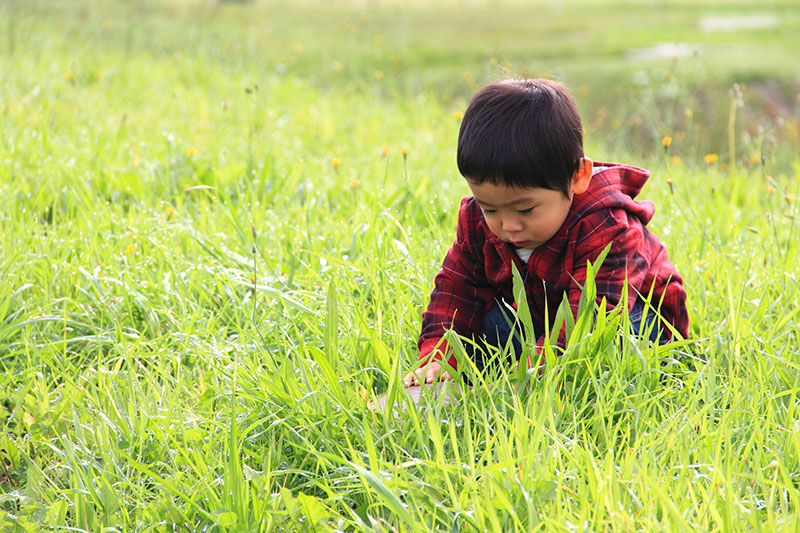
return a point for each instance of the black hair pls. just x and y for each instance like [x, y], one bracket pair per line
[521, 133]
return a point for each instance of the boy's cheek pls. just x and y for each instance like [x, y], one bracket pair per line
[493, 229]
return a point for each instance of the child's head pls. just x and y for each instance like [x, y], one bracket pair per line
[521, 133]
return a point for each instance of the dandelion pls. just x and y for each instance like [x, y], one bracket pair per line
[665, 142]
[754, 159]
[405, 150]
[770, 190]
[385, 150]
[789, 198]
[676, 161]
[191, 151]
[130, 249]
[354, 184]
[458, 115]
[69, 76]
[336, 162]
[710, 158]
[170, 212]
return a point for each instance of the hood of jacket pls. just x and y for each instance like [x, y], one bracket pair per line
[612, 187]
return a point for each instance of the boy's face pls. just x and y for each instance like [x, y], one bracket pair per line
[524, 217]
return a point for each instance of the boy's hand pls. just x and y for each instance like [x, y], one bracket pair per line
[426, 374]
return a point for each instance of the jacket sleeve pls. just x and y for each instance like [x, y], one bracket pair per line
[460, 293]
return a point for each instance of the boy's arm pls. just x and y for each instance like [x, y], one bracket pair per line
[458, 300]
[622, 265]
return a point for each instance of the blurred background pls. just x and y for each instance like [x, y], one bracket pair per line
[713, 75]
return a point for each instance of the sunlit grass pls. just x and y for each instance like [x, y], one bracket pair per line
[209, 268]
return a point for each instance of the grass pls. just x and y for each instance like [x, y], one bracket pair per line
[197, 304]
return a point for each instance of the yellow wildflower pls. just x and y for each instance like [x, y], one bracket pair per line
[666, 141]
[770, 190]
[711, 158]
[687, 112]
[405, 150]
[458, 115]
[676, 161]
[385, 150]
[789, 198]
[378, 74]
[355, 183]
[191, 152]
[336, 162]
[69, 76]
[130, 249]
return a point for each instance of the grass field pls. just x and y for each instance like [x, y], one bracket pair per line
[219, 225]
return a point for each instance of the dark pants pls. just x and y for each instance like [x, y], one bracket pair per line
[496, 331]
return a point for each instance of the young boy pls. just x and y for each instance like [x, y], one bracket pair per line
[539, 203]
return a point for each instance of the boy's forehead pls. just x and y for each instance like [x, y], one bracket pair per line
[501, 195]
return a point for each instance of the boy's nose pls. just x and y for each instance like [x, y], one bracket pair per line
[510, 224]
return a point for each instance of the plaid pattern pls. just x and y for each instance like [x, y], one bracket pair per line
[477, 268]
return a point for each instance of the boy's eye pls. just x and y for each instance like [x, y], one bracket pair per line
[488, 211]
[525, 211]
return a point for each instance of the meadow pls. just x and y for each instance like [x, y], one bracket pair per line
[219, 225]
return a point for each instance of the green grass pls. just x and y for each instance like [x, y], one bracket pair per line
[195, 301]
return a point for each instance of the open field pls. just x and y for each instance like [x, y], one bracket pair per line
[214, 252]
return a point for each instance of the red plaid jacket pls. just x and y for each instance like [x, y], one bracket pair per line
[477, 268]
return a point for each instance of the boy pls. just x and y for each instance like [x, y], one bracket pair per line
[539, 203]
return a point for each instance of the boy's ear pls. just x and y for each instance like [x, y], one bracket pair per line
[582, 176]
